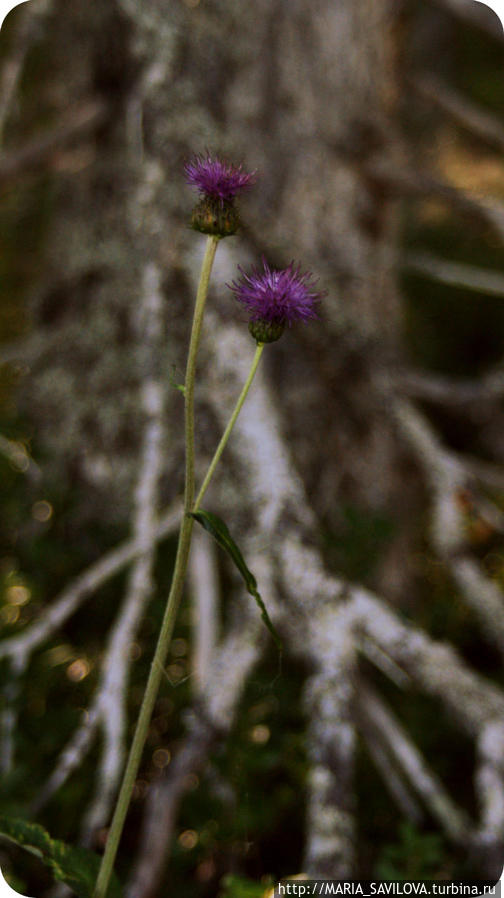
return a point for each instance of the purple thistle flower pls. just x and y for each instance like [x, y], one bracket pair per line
[277, 298]
[217, 178]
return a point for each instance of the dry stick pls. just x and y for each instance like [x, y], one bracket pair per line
[456, 274]
[397, 788]
[70, 758]
[9, 714]
[435, 666]
[446, 478]
[404, 180]
[489, 785]
[174, 597]
[331, 740]
[450, 392]
[486, 472]
[80, 589]
[477, 120]
[276, 498]
[407, 756]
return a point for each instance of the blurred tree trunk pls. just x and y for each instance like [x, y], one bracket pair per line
[305, 94]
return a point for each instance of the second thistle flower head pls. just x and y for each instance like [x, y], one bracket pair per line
[219, 183]
[276, 298]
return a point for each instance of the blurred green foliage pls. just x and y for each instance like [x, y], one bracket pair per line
[238, 887]
[415, 855]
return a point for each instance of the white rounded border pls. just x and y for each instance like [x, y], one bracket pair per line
[6, 6]
[6, 891]
[497, 6]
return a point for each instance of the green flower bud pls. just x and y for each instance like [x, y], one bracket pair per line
[266, 331]
[215, 216]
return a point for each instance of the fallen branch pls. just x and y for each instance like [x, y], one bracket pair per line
[395, 785]
[449, 392]
[69, 759]
[434, 666]
[9, 714]
[403, 180]
[329, 698]
[479, 122]
[456, 274]
[447, 481]
[453, 821]
[80, 589]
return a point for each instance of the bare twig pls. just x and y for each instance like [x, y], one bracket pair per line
[410, 760]
[82, 588]
[404, 180]
[485, 472]
[447, 479]
[329, 700]
[9, 713]
[449, 392]
[456, 274]
[399, 791]
[489, 782]
[382, 661]
[69, 759]
[479, 122]
[435, 666]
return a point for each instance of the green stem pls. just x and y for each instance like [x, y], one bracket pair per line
[164, 639]
[231, 424]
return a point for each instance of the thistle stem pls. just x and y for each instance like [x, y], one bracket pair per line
[164, 639]
[231, 424]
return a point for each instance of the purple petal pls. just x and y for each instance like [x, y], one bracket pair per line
[217, 178]
[277, 296]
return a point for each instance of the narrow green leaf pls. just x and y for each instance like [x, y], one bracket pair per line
[219, 530]
[76, 867]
